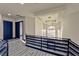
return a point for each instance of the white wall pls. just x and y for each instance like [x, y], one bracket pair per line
[69, 16]
[70, 19]
[38, 27]
[1, 28]
[29, 25]
[13, 29]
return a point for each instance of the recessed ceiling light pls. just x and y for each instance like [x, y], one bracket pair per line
[22, 3]
[9, 14]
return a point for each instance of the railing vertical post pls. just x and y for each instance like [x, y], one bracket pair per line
[47, 43]
[54, 45]
[68, 48]
[26, 40]
[7, 48]
[41, 42]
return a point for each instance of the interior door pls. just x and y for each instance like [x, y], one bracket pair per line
[17, 29]
[7, 30]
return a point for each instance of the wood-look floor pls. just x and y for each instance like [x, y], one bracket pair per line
[18, 48]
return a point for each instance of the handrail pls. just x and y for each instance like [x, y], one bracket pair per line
[53, 45]
[73, 48]
[4, 47]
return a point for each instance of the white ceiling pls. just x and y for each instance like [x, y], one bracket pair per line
[18, 9]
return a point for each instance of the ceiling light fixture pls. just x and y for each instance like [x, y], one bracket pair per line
[22, 3]
[9, 14]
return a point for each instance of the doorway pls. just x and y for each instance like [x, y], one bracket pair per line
[19, 29]
[7, 30]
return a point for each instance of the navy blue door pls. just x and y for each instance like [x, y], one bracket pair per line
[17, 29]
[7, 29]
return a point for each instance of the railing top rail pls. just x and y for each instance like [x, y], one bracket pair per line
[4, 47]
[73, 43]
[44, 37]
[3, 42]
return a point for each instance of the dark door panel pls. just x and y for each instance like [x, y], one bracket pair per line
[17, 29]
[7, 29]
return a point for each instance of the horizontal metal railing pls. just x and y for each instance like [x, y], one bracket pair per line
[73, 48]
[3, 48]
[56, 46]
